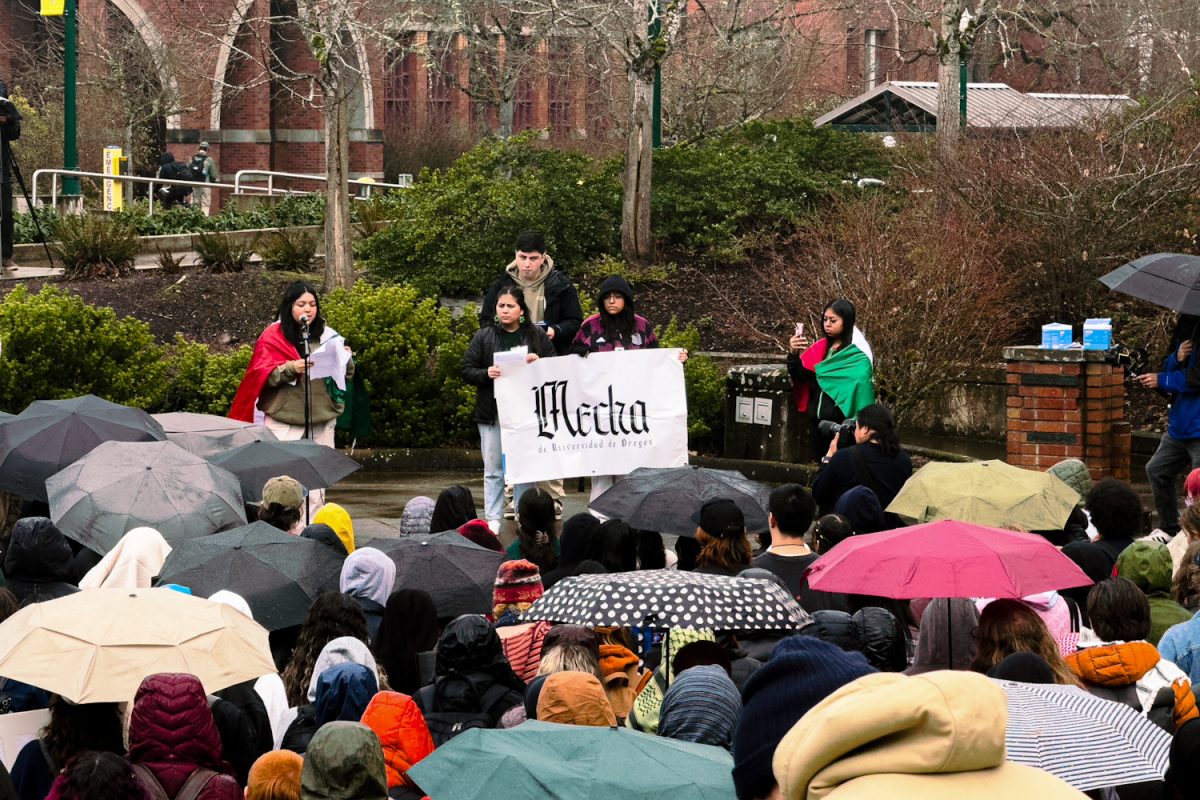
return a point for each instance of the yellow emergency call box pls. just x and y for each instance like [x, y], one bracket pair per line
[114, 194]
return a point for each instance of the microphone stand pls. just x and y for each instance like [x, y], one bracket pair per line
[307, 403]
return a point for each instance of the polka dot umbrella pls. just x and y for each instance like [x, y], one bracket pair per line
[669, 599]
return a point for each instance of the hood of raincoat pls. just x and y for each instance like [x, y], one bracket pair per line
[37, 552]
[133, 564]
[575, 698]
[401, 729]
[947, 631]
[338, 518]
[1149, 565]
[171, 729]
[935, 736]
[343, 692]
[368, 574]
[344, 761]
[325, 535]
[342, 650]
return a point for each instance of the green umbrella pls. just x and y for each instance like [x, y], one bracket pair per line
[990, 493]
[545, 760]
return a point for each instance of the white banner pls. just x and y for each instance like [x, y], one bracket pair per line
[606, 414]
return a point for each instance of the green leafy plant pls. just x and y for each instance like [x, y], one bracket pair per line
[169, 263]
[95, 246]
[220, 252]
[455, 229]
[289, 249]
[57, 346]
[200, 380]
[704, 382]
[410, 352]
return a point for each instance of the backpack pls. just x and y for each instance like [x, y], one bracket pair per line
[445, 725]
[190, 790]
[196, 168]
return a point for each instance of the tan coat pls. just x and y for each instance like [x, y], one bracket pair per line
[936, 736]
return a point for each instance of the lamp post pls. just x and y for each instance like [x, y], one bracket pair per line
[70, 66]
[654, 31]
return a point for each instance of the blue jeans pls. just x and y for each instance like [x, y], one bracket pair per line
[1163, 469]
[493, 474]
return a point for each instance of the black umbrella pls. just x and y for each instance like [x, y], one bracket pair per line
[278, 575]
[664, 598]
[315, 465]
[51, 434]
[119, 486]
[1170, 280]
[664, 499]
[457, 573]
[207, 435]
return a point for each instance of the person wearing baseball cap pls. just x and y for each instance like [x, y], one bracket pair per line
[283, 503]
[721, 533]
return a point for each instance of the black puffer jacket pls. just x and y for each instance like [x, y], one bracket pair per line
[881, 639]
[470, 661]
[835, 627]
[37, 564]
[479, 357]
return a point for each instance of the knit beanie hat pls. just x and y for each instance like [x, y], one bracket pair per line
[801, 672]
[1074, 473]
[518, 583]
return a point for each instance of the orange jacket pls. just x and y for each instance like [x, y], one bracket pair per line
[401, 729]
[1136, 664]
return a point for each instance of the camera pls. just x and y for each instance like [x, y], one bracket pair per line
[7, 109]
[1133, 360]
[828, 428]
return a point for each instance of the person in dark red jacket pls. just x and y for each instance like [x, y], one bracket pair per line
[172, 734]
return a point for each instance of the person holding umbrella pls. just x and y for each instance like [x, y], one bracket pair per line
[1179, 448]
[837, 369]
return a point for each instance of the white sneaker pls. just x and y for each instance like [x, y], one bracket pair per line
[1160, 536]
[494, 526]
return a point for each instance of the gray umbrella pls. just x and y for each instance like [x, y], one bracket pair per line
[315, 465]
[123, 485]
[206, 435]
[458, 574]
[51, 434]
[664, 499]
[1170, 280]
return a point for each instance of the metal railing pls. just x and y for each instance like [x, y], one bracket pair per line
[239, 186]
[240, 181]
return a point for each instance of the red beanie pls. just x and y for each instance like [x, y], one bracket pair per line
[517, 582]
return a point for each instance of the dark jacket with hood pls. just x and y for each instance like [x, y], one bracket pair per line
[563, 311]
[171, 733]
[37, 564]
[483, 348]
[343, 692]
[345, 762]
[591, 336]
[872, 631]
[243, 725]
[470, 661]
[10, 131]
[574, 546]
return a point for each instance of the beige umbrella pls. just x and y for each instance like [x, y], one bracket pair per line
[97, 645]
[990, 493]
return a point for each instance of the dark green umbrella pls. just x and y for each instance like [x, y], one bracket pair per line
[546, 761]
[664, 499]
[52, 434]
[458, 574]
[314, 465]
[278, 575]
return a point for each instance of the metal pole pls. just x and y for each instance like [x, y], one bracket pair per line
[70, 145]
[962, 94]
[654, 32]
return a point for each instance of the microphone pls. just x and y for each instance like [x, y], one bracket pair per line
[304, 322]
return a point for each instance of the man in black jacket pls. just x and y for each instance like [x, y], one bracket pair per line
[10, 130]
[554, 305]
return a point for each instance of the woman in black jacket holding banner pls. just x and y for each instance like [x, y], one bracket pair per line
[511, 328]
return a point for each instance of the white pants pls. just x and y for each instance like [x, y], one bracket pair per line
[322, 433]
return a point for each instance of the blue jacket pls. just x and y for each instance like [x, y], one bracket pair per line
[1183, 380]
[1181, 645]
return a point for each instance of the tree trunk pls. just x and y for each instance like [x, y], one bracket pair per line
[505, 118]
[636, 244]
[950, 52]
[339, 256]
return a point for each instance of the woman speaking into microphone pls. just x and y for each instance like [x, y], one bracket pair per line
[276, 379]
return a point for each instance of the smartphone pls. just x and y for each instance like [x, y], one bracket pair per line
[800, 329]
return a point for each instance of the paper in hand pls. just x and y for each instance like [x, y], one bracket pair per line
[514, 356]
[329, 361]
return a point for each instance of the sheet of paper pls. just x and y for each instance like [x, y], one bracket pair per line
[514, 356]
[329, 361]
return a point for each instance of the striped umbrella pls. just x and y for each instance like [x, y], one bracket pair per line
[1087, 741]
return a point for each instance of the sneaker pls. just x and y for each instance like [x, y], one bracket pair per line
[494, 526]
[510, 511]
[1160, 536]
[558, 509]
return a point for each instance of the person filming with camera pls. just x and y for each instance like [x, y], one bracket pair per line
[10, 131]
[1179, 449]
[874, 461]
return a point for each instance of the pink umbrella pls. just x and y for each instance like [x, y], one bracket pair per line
[945, 559]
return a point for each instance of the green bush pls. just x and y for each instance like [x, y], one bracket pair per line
[410, 352]
[705, 385]
[720, 196]
[201, 381]
[57, 346]
[220, 252]
[94, 246]
[289, 249]
[454, 230]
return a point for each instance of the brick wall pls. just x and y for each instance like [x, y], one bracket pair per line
[1066, 404]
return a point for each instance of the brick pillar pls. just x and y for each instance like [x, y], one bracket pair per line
[1067, 404]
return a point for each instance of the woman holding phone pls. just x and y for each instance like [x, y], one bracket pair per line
[832, 379]
[511, 328]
